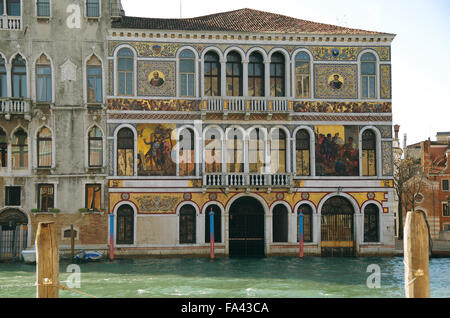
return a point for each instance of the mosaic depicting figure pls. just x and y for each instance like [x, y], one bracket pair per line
[337, 152]
[155, 146]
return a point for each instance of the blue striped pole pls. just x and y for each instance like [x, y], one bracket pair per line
[211, 233]
[300, 233]
[111, 236]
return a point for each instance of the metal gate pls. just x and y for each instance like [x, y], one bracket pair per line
[337, 238]
[13, 239]
[246, 238]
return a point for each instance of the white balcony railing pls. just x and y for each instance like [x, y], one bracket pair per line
[247, 180]
[14, 106]
[247, 104]
[10, 22]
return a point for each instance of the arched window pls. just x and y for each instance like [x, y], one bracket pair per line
[368, 75]
[126, 72]
[95, 147]
[3, 87]
[212, 74]
[125, 152]
[302, 153]
[307, 223]
[277, 75]
[94, 80]
[302, 75]
[187, 224]
[256, 151]
[187, 73]
[234, 74]
[3, 149]
[19, 77]
[369, 153]
[43, 79]
[217, 224]
[125, 225]
[278, 151]
[44, 145]
[256, 75]
[187, 153]
[235, 151]
[280, 223]
[371, 223]
[19, 149]
[213, 151]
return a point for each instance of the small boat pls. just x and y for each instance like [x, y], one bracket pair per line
[90, 256]
[29, 256]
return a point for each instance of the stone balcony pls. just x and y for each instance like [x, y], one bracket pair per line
[10, 22]
[247, 180]
[10, 106]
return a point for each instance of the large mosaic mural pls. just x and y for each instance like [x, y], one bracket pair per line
[335, 81]
[337, 152]
[155, 145]
[156, 78]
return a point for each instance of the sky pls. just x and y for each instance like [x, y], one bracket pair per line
[420, 50]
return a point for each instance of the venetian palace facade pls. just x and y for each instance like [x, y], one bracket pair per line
[252, 115]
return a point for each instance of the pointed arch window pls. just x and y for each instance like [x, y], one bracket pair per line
[368, 75]
[43, 79]
[19, 77]
[256, 151]
[3, 149]
[213, 151]
[277, 75]
[3, 87]
[187, 153]
[125, 152]
[256, 75]
[19, 149]
[369, 153]
[212, 74]
[234, 74]
[95, 147]
[302, 153]
[302, 75]
[235, 151]
[278, 151]
[94, 80]
[187, 73]
[44, 151]
[126, 74]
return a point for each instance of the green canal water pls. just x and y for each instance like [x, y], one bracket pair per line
[274, 277]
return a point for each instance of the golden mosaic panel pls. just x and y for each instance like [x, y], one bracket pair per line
[385, 81]
[347, 53]
[148, 49]
[156, 78]
[335, 81]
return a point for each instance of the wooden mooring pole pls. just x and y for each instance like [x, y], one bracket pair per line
[416, 253]
[72, 241]
[47, 261]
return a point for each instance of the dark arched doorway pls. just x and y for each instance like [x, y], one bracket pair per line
[13, 233]
[246, 231]
[125, 225]
[337, 227]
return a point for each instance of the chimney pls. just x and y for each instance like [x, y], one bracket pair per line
[396, 130]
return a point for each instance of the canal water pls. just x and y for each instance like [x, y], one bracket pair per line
[274, 277]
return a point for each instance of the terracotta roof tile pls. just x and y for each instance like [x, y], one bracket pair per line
[243, 20]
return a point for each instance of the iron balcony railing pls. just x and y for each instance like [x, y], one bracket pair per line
[246, 105]
[257, 180]
[10, 22]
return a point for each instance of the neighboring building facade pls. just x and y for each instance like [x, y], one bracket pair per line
[53, 70]
[434, 195]
[255, 122]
